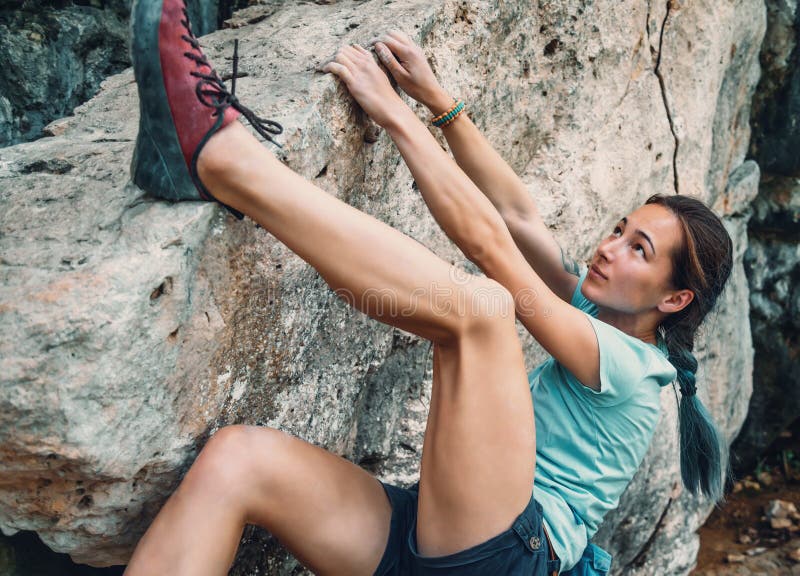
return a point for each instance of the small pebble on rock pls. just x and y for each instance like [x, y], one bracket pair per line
[734, 558]
[751, 485]
[765, 478]
[780, 523]
[780, 509]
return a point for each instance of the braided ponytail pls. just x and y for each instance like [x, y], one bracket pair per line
[700, 441]
[702, 264]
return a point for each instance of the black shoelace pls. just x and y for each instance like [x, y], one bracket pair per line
[212, 92]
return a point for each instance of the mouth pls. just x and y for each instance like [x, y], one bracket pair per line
[596, 270]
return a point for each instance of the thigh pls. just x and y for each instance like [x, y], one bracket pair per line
[522, 550]
[333, 516]
[479, 450]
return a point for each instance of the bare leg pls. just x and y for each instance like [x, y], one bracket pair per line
[478, 460]
[477, 474]
[355, 253]
[332, 515]
[479, 452]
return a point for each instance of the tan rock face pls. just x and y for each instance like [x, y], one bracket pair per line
[132, 328]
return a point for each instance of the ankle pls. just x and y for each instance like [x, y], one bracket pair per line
[217, 156]
[225, 165]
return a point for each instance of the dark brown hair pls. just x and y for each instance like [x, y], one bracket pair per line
[702, 263]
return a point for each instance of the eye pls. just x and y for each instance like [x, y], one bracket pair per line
[616, 229]
[639, 247]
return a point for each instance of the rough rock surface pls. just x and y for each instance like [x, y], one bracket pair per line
[773, 259]
[132, 328]
[776, 106]
[55, 53]
[773, 270]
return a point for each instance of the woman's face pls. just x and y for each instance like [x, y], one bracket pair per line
[631, 270]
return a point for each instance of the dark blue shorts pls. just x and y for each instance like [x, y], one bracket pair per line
[521, 550]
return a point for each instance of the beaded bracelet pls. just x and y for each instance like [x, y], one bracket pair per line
[444, 119]
[440, 116]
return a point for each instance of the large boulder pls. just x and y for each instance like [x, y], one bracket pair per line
[133, 328]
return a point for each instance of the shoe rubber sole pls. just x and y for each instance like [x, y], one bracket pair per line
[158, 166]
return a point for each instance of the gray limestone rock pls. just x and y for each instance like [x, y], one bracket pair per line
[132, 328]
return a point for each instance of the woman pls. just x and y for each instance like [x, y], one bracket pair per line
[595, 402]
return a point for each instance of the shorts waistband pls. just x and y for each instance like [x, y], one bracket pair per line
[553, 563]
[527, 528]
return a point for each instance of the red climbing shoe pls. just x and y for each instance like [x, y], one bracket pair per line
[182, 102]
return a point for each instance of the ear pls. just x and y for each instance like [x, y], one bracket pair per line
[675, 301]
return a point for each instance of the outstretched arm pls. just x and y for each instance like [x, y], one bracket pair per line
[484, 166]
[470, 219]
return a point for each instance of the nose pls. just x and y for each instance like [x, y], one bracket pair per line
[606, 250]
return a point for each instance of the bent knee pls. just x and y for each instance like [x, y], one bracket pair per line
[228, 457]
[228, 443]
[488, 308]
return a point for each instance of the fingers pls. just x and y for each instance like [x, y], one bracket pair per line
[341, 64]
[353, 56]
[338, 70]
[350, 53]
[362, 51]
[387, 59]
[396, 46]
[400, 36]
[345, 61]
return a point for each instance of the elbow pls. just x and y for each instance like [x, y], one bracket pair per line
[487, 243]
